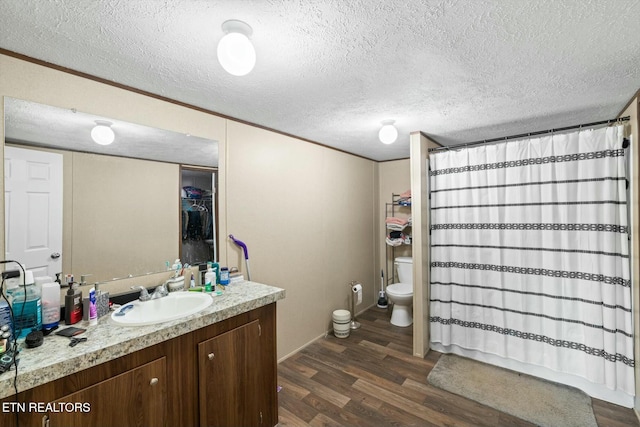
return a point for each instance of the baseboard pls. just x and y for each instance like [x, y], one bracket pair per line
[323, 335]
[286, 356]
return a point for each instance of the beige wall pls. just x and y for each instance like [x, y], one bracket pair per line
[632, 111]
[420, 145]
[306, 214]
[124, 216]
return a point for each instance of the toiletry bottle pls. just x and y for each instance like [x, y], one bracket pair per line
[11, 286]
[73, 305]
[209, 280]
[50, 305]
[224, 276]
[216, 269]
[85, 309]
[93, 309]
[176, 266]
[193, 282]
[5, 316]
[26, 305]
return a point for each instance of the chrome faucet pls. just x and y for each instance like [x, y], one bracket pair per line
[144, 294]
[83, 279]
[161, 291]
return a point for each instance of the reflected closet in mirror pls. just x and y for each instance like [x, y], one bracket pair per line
[198, 213]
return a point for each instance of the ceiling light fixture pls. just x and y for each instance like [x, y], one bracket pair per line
[388, 132]
[102, 133]
[235, 51]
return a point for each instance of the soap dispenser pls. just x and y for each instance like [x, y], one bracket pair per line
[209, 280]
[73, 304]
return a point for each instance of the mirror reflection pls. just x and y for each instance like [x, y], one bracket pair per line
[74, 205]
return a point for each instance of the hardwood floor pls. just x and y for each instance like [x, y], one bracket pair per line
[371, 379]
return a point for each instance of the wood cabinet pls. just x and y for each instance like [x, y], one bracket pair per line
[222, 375]
[228, 378]
[135, 398]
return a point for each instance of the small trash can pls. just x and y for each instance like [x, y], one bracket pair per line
[341, 323]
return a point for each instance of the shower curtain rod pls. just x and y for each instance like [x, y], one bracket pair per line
[505, 138]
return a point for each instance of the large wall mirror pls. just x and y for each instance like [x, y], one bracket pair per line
[74, 206]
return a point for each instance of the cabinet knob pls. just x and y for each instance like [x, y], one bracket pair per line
[153, 381]
[211, 356]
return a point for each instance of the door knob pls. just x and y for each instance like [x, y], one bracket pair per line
[55, 255]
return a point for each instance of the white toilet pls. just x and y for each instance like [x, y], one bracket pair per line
[401, 294]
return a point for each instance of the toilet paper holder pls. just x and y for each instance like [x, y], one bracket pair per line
[354, 289]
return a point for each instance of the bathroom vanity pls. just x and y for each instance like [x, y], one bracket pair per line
[216, 367]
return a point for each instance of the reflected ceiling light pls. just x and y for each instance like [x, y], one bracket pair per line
[388, 132]
[102, 133]
[235, 51]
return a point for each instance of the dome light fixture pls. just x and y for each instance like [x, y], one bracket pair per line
[236, 53]
[102, 133]
[388, 132]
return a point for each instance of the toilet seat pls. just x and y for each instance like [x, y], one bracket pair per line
[400, 289]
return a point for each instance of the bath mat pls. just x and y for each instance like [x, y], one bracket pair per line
[538, 401]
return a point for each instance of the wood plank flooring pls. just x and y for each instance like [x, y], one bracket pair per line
[371, 379]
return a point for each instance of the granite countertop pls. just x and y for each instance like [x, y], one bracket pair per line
[106, 341]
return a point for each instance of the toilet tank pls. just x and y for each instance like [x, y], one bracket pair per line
[404, 266]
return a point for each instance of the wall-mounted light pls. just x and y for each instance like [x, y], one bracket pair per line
[102, 133]
[388, 132]
[235, 51]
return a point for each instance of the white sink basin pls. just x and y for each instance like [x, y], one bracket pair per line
[172, 307]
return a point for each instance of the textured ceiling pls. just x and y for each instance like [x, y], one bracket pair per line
[330, 71]
[46, 126]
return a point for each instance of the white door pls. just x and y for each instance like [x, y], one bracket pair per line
[33, 209]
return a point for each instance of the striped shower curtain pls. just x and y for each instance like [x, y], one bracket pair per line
[530, 253]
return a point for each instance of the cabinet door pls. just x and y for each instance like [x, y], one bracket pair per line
[229, 367]
[134, 398]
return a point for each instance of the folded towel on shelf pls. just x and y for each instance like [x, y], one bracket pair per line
[394, 242]
[406, 195]
[398, 224]
[396, 227]
[394, 220]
